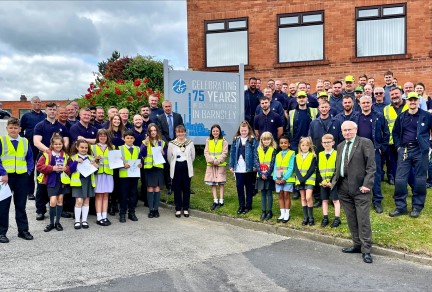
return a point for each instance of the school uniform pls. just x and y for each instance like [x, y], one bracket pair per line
[128, 185]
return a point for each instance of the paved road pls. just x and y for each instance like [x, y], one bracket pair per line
[191, 254]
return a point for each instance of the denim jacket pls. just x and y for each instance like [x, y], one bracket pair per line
[250, 152]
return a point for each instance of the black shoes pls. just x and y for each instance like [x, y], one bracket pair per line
[325, 222]
[111, 211]
[263, 215]
[336, 223]
[415, 213]
[269, 215]
[3, 239]
[186, 213]
[317, 204]
[397, 213]
[378, 208]
[77, 225]
[178, 214]
[352, 249]
[31, 197]
[85, 225]
[305, 221]
[367, 258]
[58, 227]
[246, 210]
[122, 218]
[133, 217]
[40, 216]
[102, 222]
[49, 227]
[311, 221]
[214, 206]
[240, 210]
[25, 235]
[151, 214]
[66, 214]
[156, 213]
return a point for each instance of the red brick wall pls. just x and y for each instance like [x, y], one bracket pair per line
[339, 28]
[15, 106]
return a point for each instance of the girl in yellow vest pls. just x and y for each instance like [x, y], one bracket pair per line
[54, 169]
[284, 177]
[264, 162]
[305, 168]
[327, 168]
[104, 176]
[215, 153]
[83, 188]
[154, 172]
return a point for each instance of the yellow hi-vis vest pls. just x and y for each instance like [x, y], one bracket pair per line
[75, 177]
[127, 156]
[14, 161]
[148, 160]
[391, 115]
[217, 150]
[64, 178]
[282, 164]
[103, 168]
[303, 165]
[326, 167]
[265, 158]
[313, 113]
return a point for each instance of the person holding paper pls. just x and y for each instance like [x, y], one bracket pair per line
[104, 176]
[16, 164]
[152, 150]
[129, 184]
[82, 185]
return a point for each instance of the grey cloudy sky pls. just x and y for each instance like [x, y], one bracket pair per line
[51, 48]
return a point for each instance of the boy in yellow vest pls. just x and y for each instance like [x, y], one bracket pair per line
[128, 185]
[327, 167]
[16, 164]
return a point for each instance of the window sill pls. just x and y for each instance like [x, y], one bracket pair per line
[380, 58]
[226, 68]
[301, 64]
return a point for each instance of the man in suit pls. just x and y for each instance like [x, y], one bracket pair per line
[354, 178]
[168, 121]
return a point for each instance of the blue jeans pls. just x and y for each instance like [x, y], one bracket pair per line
[418, 161]
[376, 190]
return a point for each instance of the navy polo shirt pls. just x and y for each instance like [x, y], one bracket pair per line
[128, 126]
[268, 123]
[28, 122]
[79, 130]
[139, 137]
[155, 112]
[146, 124]
[379, 107]
[116, 138]
[98, 125]
[365, 126]
[46, 130]
[409, 126]
[282, 97]
[254, 99]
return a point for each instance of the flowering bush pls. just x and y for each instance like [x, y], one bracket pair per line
[121, 93]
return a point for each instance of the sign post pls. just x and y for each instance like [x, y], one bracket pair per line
[204, 99]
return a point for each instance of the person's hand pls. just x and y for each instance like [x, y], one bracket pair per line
[79, 160]
[216, 162]
[139, 165]
[80, 138]
[364, 189]
[232, 170]
[95, 164]
[126, 165]
[264, 177]
[4, 179]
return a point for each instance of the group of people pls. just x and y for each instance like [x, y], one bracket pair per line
[71, 153]
[333, 144]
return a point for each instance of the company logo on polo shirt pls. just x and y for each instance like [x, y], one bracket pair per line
[179, 86]
[60, 129]
[271, 121]
[92, 133]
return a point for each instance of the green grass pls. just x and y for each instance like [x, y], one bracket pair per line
[402, 233]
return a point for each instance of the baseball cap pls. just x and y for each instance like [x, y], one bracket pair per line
[412, 95]
[322, 93]
[301, 93]
[358, 89]
[349, 78]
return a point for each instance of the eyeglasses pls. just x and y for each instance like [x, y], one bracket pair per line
[379, 93]
[300, 97]
[326, 142]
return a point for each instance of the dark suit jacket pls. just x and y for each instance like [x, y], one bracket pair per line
[163, 125]
[361, 165]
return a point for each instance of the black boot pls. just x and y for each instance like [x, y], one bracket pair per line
[132, 216]
[269, 215]
[263, 215]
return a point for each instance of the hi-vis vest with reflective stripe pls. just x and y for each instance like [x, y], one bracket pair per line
[391, 115]
[216, 150]
[103, 168]
[303, 165]
[148, 160]
[282, 163]
[14, 160]
[75, 177]
[265, 158]
[64, 178]
[127, 156]
[313, 113]
[327, 167]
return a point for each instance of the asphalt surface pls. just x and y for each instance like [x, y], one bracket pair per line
[190, 254]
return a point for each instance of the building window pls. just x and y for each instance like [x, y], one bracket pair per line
[301, 37]
[23, 111]
[226, 42]
[381, 30]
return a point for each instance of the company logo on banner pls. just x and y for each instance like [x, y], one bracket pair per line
[204, 99]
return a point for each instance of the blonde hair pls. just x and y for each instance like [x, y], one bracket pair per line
[308, 140]
[266, 136]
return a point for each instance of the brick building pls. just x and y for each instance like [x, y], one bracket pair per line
[19, 108]
[297, 40]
